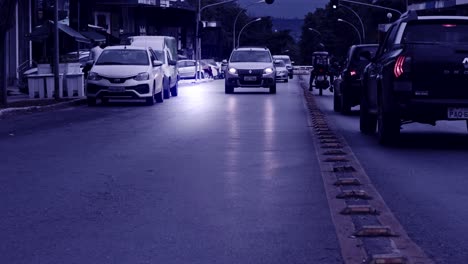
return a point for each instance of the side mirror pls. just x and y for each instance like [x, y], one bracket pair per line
[366, 55]
[172, 62]
[157, 63]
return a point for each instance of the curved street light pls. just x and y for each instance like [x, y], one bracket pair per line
[314, 30]
[360, 20]
[355, 28]
[240, 32]
[235, 21]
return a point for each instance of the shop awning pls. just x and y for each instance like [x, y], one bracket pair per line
[42, 32]
[94, 36]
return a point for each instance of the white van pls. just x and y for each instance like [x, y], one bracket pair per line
[165, 49]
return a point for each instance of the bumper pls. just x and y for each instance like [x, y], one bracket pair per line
[264, 81]
[97, 90]
[282, 76]
[428, 110]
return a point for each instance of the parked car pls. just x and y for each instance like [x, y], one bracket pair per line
[187, 69]
[123, 72]
[211, 68]
[348, 86]
[288, 62]
[165, 48]
[250, 67]
[281, 71]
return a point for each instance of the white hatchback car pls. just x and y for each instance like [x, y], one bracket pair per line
[123, 72]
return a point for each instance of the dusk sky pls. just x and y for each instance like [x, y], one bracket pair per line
[284, 8]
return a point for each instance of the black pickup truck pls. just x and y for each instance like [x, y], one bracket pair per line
[419, 74]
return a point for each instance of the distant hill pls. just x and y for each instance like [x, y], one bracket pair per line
[294, 25]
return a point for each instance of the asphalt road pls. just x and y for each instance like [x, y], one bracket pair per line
[202, 178]
[423, 179]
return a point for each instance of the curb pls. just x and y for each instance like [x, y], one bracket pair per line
[33, 108]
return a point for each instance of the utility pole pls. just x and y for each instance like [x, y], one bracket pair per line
[56, 52]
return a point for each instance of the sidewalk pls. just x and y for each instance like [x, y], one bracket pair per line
[20, 102]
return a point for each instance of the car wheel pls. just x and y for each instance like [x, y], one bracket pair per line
[159, 96]
[388, 125]
[166, 88]
[286, 80]
[273, 89]
[175, 89]
[345, 107]
[336, 101]
[91, 101]
[367, 121]
[228, 89]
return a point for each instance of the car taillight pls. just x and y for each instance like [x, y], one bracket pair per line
[352, 73]
[402, 65]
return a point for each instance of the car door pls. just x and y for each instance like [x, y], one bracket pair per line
[374, 69]
[156, 72]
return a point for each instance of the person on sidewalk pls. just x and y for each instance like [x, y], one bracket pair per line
[95, 51]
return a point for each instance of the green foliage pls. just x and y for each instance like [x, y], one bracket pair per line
[338, 36]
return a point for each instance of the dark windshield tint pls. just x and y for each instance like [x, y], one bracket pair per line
[123, 57]
[250, 56]
[285, 59]
[448, 31]
[280, 63]
[357, 54]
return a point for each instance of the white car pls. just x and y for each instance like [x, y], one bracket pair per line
[123, 72]
[281, 71]
[187, 69]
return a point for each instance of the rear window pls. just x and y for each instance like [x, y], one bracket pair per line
[183, 64]
[440, 31]
[123, 57]
[250, 56]
[357, 54]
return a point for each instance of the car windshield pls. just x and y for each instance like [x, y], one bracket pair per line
[123, 57]
[286, 60]
[183, 64]
[449, 31]
[280, 63]
[250, 56]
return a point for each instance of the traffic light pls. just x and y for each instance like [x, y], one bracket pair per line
[334, 3]
[269, 1]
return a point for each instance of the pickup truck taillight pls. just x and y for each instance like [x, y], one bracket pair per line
[402, 65]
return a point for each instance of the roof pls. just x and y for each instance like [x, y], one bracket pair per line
[280, 56]
[442, 17]
[128, 47]
[251, 48]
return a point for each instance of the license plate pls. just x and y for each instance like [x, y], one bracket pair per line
[118, 89]
[250, 78]
[457, 113]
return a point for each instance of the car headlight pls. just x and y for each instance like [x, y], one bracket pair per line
[143, 76]
[94, 76]
[232, 70]
[268, 71]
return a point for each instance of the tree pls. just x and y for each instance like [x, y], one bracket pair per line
[7, 14]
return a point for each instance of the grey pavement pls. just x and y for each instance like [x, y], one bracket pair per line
[201, 178]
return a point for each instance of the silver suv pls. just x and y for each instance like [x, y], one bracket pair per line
[250, 67]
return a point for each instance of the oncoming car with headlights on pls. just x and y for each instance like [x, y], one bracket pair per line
[125, 72]
[250, 67]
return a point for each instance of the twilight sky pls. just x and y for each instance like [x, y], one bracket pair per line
[284, 8]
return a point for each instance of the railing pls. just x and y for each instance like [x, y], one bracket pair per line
[302, 69]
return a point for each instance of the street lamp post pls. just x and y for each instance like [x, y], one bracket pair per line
[235, 21]
[355, 28]
[240, 32]
[314, 30]
[360, 20]
[197, 31]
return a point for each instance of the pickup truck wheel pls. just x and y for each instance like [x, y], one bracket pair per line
[367, 121]
[345, 107]
[273, 89]
[336, 102]
[388, 126]
[228, 89]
